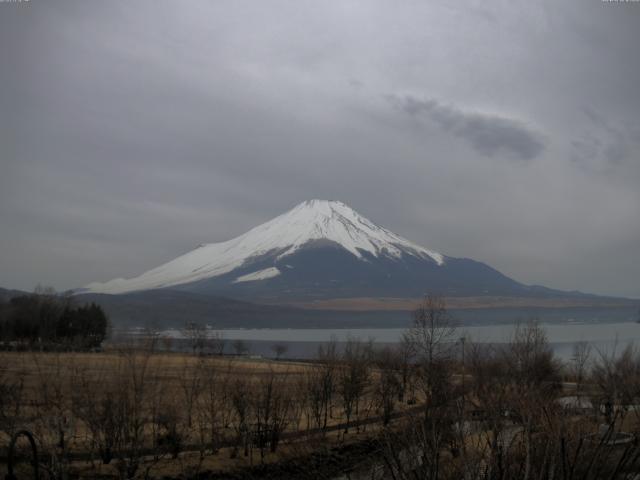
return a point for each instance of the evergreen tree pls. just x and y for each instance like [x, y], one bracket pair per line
[47, 318]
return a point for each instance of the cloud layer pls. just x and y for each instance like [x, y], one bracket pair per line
[132, 132]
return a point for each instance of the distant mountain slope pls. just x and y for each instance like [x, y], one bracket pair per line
[167, 307]
[7, 294]
[319, 250]
[170, 308]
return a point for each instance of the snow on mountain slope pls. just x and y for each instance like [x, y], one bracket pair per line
[259, 275]
[308, 222]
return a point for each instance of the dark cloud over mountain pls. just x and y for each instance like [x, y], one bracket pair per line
[487, 134]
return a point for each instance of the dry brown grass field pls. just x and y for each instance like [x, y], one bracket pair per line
[408, 304]
[135, 412]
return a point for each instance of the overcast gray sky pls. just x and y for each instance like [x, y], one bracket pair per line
[507, 132]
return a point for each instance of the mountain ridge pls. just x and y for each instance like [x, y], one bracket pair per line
[312, 221]
[322, 249]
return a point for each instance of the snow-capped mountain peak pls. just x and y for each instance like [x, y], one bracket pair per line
[337, 222]
[310, 222]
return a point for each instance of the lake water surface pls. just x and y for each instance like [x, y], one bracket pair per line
[303, 343]
[486, 333]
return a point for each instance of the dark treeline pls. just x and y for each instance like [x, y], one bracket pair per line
[46, 319]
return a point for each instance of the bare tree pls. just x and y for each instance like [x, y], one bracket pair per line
[151, 337]
[137, 388]
[353, 378]
[321, 382]
[535, 379]
[491, 394]
[196, 335]
[217, 343]
[618, 379]
[214, 403]
[432, 340]
[240, 347]
[55, 423]
[433, 331]
[168, 434]
[12, 390]
[388, 386]
[270, 411]
[405, 356]
[319, 388]
[580, 364]
[96, 403]
[190, 381]
[432, 336]
[241, 403]
[167, 342]
[279, 349]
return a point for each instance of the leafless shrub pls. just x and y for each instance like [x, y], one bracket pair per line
[196, 336]
[321, 384]
[54, 422]
[618, 379]
[214, 405]
[240, 347]
[432, 332]
[12, 399]
[579, 365]
[169, 436]
[279, 349]
[190, 381]
[95, 401]
[353, 378]
[270, 411]
[241, 405]
[405, 354]
[137, 389]
[216, 343]
[388, 383]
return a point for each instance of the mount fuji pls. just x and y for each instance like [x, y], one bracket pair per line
[316, 251]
